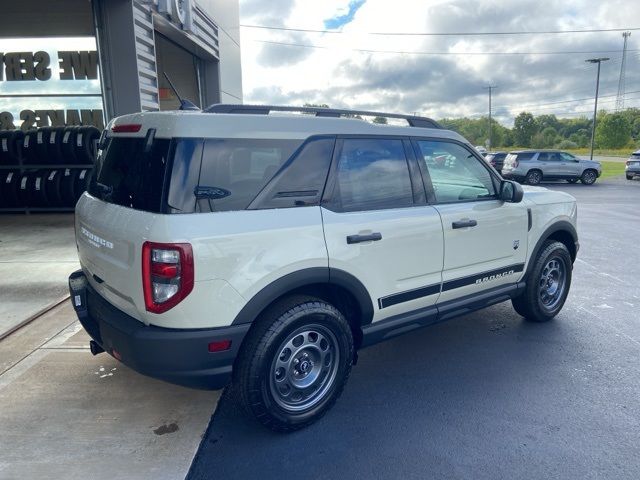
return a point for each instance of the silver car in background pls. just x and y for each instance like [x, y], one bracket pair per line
[632, 167]
[534, 166]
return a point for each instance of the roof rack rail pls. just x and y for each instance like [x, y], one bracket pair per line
[412, 120]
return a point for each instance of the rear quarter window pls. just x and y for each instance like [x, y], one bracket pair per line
[525, 156]
[237, 169]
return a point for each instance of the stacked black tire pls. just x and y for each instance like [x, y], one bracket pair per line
[46, 168]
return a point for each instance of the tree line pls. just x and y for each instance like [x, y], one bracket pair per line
[613, 130]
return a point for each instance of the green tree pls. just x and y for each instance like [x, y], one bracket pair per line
[380, 120]
[524, 128]
[613, 131]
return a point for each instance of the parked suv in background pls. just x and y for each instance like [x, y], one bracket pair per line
[496, 160]
[632, 168]
[235, 245]
[533, 166]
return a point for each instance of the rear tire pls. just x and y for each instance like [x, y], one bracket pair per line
[548, 284]
[294, 363]
[534, 177]
[589, 177]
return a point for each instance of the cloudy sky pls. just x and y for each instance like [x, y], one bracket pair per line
[294, 67]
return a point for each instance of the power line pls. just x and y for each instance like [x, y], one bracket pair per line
[401, 52]
[441, 34]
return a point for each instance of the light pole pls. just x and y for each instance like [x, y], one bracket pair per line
[595, 107]
[490, 88]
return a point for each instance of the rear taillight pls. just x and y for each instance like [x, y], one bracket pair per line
[167, 274]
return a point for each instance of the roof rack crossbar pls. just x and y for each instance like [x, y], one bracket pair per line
[412, 120]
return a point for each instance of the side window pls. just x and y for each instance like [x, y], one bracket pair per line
[567, 157]
[525, 156]
[235, 170]
[373, 174]
[456, 174]
[301, 180]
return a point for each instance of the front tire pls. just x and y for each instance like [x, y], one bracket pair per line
[534, 177]
[547, 284]
[629, 177]
[294, 363]
[589, 177]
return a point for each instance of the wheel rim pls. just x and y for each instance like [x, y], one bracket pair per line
[304, 368]
[534, 178]
[552, 283]
[589, 177]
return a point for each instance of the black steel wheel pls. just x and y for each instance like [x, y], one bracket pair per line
[294, 363]
[534, 177]
[547, 284]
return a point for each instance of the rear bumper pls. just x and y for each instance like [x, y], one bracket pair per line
[178, 356]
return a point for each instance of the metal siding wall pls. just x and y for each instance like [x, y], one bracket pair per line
[146, 56]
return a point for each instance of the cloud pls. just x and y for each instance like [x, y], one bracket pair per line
[441, 85]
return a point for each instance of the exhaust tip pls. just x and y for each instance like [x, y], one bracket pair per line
[95, 348]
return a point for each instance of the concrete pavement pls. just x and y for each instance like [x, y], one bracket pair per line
[67, 414]
[37, 254]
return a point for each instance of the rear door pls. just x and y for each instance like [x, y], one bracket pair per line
[485, 239]
[378, 226]
[129, 188]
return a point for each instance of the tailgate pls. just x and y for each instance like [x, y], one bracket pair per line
[110, 239]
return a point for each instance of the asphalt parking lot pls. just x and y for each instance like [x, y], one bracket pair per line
[486, 395]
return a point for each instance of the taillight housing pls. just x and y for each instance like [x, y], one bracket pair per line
[167, 274]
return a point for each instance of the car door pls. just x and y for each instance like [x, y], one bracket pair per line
[570, 165]
[485, 238]
[378, 226]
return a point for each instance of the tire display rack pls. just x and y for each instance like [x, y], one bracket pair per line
[45, 169]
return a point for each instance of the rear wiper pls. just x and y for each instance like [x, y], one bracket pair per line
[106, 190]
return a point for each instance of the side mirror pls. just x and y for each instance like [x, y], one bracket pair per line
[511, 191]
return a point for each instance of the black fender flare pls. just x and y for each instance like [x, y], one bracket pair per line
[560, 226]
[302, 278]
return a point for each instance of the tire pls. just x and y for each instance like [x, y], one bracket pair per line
[534, 177]
[589, 177]
[538, 302]
[629, 177]
[266, 379]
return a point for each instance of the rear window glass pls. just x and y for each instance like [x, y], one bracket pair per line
[235, 170]
[129, 175]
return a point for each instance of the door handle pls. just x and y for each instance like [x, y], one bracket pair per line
[371, 237]
[464, 224]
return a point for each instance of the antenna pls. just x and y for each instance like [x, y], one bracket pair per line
[184, 104]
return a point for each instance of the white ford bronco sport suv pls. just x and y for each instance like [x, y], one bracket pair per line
[264, 249]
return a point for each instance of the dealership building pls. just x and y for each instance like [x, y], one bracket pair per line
[79, 62]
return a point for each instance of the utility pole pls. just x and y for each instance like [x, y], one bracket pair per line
[595, 107]
[490, 88]
[623, 67]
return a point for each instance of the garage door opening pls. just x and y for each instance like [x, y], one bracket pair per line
[182, 67]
